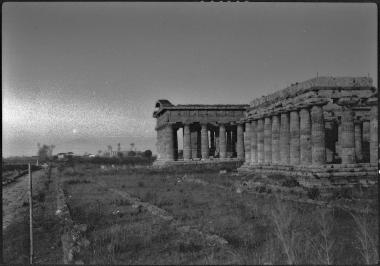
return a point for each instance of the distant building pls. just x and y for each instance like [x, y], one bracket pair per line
[65, 155]
[61, 156]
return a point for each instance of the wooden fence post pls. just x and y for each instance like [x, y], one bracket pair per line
[30, 215]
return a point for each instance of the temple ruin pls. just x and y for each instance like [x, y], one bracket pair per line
[323, 127]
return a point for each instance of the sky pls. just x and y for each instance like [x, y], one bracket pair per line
[84, 75]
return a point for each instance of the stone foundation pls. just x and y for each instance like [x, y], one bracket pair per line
[327, 175]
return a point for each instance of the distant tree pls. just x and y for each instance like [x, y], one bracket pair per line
[99, 152]
[45, 152]
[147, 153]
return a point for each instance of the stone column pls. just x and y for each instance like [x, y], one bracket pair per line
[267, 140]
[234, 141]
[329, 141]
[204, 141]
[358, 140]
[217, 145]
[229, 142]
[305, 137]
[373, 145]
[253, 142]
[175, 143]
[159, 145]
[194, 144]
[212, 141]
[169, 142]
[247, 142]
[275, 139]
[260, 141]
[338, 146]
[348, 136]
[186, 142]
[240, 142]
[284, 139]
[222, 141]
[366, 141]
[294, 138]
[318, 150]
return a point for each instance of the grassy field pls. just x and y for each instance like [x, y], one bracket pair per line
[259, 229]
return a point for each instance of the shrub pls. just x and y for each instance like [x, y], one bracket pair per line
[313, 193]
[40, 196]
[290, 183]
[77, 181]
[323, 243]
[367, 236]
[147, 154]
[345, 193]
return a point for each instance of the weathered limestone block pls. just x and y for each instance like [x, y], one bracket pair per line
[275, 139]
[247, 142]
[358, 141]
[222, 141]
[204, 141]
[186, 142]
[267, 140]
[260, 141]
[294, 138]
[240, 142]
[348, 137]
[194, 144]
[284, 139]
[374, 136]
[305, 137]
[253, 142]
[318, 136]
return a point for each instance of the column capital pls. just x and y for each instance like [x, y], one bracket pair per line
[372, 101]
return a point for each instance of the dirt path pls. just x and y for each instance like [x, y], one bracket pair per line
[15, 194]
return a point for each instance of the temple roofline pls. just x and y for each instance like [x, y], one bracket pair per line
[310, 84]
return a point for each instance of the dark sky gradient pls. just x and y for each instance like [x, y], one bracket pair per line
[85, 75]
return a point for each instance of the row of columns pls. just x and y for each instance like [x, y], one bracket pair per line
[222, 142]
[299, 137]
[291, 138]
[199, 143]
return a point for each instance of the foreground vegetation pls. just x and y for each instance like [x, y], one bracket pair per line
[259, 230]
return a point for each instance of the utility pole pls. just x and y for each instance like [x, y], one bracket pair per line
[30, 215]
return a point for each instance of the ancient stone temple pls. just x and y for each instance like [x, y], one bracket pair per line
[323, 127]
[207, 131]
